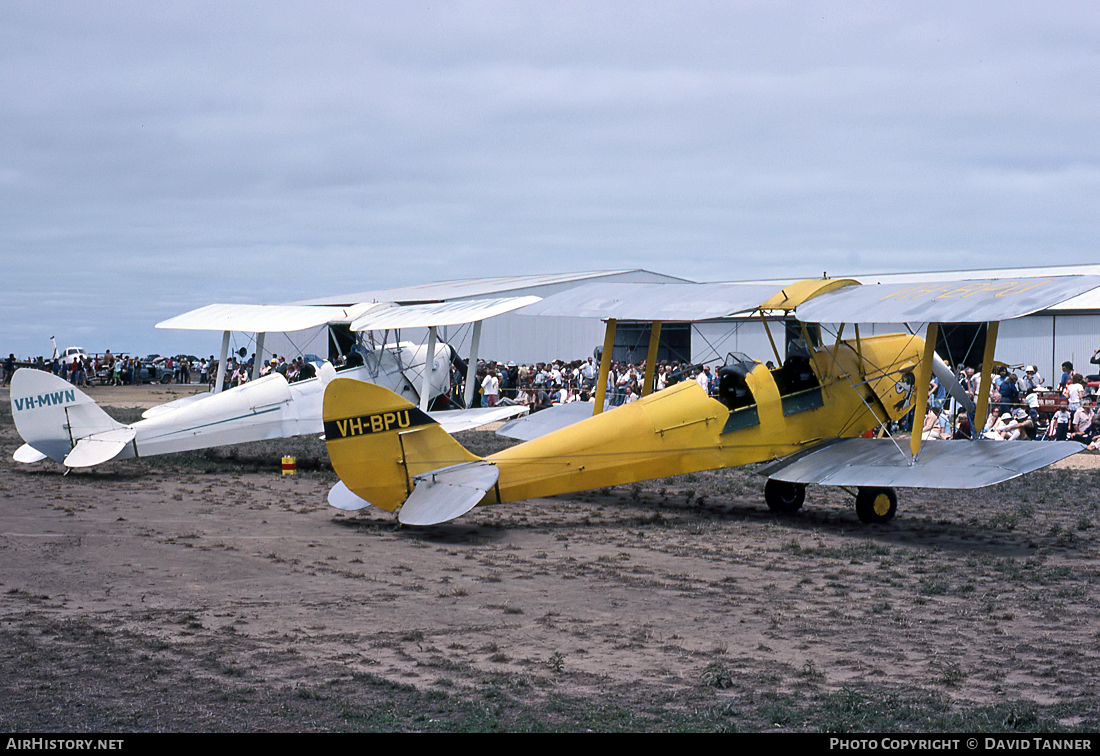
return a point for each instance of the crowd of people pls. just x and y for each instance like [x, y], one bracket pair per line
[1021, 407]
[544, 384]
[86, 370]
[239, 372]
[122, 370]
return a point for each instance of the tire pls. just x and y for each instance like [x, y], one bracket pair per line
[166, 378]
[876, 504]
[783, 497]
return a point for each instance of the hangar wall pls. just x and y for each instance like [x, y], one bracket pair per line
[1048, 340]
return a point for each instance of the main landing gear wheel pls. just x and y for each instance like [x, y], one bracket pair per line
[876, 504]
[783, 497]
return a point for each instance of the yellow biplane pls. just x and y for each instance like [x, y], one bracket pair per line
[808, 418]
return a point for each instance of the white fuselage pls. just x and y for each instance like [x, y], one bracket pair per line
[272, 408]
[62, 423]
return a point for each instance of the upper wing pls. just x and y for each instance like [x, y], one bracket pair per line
[255, 318]
[439, 313]
[972, 301]
[820, 300]
[363, 317]
[654, 301]
[964, 301]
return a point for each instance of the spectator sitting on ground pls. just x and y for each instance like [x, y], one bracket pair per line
[1022, 428]
[542, 401]
[932, 428]
[1094, 431]
[995, 424]
[962, 426]
[1082, 423]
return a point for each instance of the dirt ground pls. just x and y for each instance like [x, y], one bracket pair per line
[208, 592]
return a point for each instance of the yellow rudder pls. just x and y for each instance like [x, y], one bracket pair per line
[377, 441]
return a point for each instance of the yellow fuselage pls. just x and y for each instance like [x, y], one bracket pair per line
[681, 429]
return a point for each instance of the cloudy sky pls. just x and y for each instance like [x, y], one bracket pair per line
[156, 157]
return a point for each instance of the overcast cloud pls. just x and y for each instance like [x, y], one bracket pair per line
[156, 157]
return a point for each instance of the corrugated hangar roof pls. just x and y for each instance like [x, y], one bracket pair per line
[480, 287]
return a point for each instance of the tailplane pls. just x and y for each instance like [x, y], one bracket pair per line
[379, 443]
[53, 416]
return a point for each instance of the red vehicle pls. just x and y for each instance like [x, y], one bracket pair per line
[1049, 402]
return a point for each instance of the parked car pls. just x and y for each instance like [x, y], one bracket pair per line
[153, 370]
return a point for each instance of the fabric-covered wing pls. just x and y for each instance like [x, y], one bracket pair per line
[940, 464]
[454, 421]
[439, 313]
[173, 405]
[254, 318]
[654, 301]
[977, 301]
[546, 421]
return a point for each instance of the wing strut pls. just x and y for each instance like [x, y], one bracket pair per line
[471, 366]
[813, 352]
[221, 362]
[859, 353]
[982, 410]
[258, 362]
[767, 330]
[651, 358]
[924, 376]
[605, 365]
[429, 360]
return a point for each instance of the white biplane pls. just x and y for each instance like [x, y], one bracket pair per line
[808, 418]
[58, 421]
